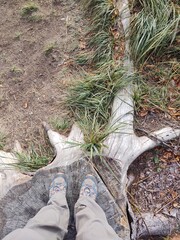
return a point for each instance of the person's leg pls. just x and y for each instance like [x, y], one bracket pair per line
[51, 222]
[91, 222]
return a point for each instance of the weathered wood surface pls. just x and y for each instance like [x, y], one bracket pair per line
[9, 176]
[149, 224]
[23, 201]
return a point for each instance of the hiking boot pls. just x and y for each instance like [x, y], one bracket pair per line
[89, 187]
[59, 184]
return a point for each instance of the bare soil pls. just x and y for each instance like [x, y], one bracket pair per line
[156, 181]
[34, 73]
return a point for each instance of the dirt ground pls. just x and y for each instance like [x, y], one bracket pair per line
[33, 70]
[156, 184]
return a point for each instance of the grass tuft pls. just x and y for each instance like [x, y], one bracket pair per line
[95, 93]
[28, 9]
[60, 124]
[147, 96]
[49, 49]
[153, 29]
[100, 39]
[17, 35]
[94, 135]
[102, 44]
[2, 140]
[162, 94]
[82, 59]
[33, 160]
[16, 70]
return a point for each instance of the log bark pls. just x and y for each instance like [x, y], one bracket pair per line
[9, 176]
[157, 225]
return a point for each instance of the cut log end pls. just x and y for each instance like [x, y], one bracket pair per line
[28, 198]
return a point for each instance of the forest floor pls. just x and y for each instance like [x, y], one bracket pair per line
[36, 55]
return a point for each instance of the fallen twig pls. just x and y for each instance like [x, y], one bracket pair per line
[157, 211]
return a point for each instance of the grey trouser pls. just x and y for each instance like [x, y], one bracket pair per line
[51, 222]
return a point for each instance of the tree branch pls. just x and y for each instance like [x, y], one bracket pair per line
[158, 137]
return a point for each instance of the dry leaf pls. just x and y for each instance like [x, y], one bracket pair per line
[143, 113]
[82, 44]
[175, 204]
[25, 105]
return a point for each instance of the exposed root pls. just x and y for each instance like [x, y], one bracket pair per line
[65, 152]
[159, 137]
[9, 175]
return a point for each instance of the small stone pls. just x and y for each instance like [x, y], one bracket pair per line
[174, 212]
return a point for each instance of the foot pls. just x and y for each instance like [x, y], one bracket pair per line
[59, 184]
[89, 187]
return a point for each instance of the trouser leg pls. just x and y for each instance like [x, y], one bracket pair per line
[91, 222]
[50, 223]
